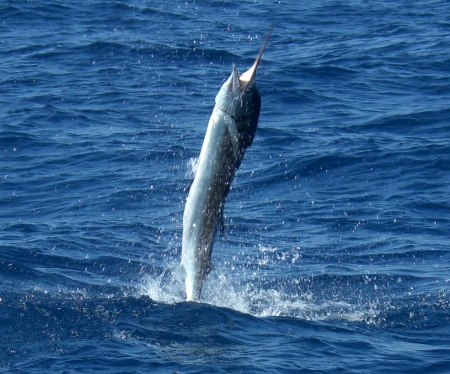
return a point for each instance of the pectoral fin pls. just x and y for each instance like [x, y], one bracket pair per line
[233, 133]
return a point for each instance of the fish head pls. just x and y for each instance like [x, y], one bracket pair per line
[236, 97]
[239, 95]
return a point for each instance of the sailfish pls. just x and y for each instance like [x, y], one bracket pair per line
[230, 132]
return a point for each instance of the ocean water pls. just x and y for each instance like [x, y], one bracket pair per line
[336, 253]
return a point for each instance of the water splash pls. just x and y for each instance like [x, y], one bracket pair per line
[191, 167]
[167, 287]
[255, 298]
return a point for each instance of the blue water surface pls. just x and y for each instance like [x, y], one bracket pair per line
[336, 255]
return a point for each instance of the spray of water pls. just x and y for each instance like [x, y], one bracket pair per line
[252, 297]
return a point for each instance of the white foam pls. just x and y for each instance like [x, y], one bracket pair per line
[191, 167]
[220, 289]
[165, 288]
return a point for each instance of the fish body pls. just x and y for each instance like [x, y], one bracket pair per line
[230, 132]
